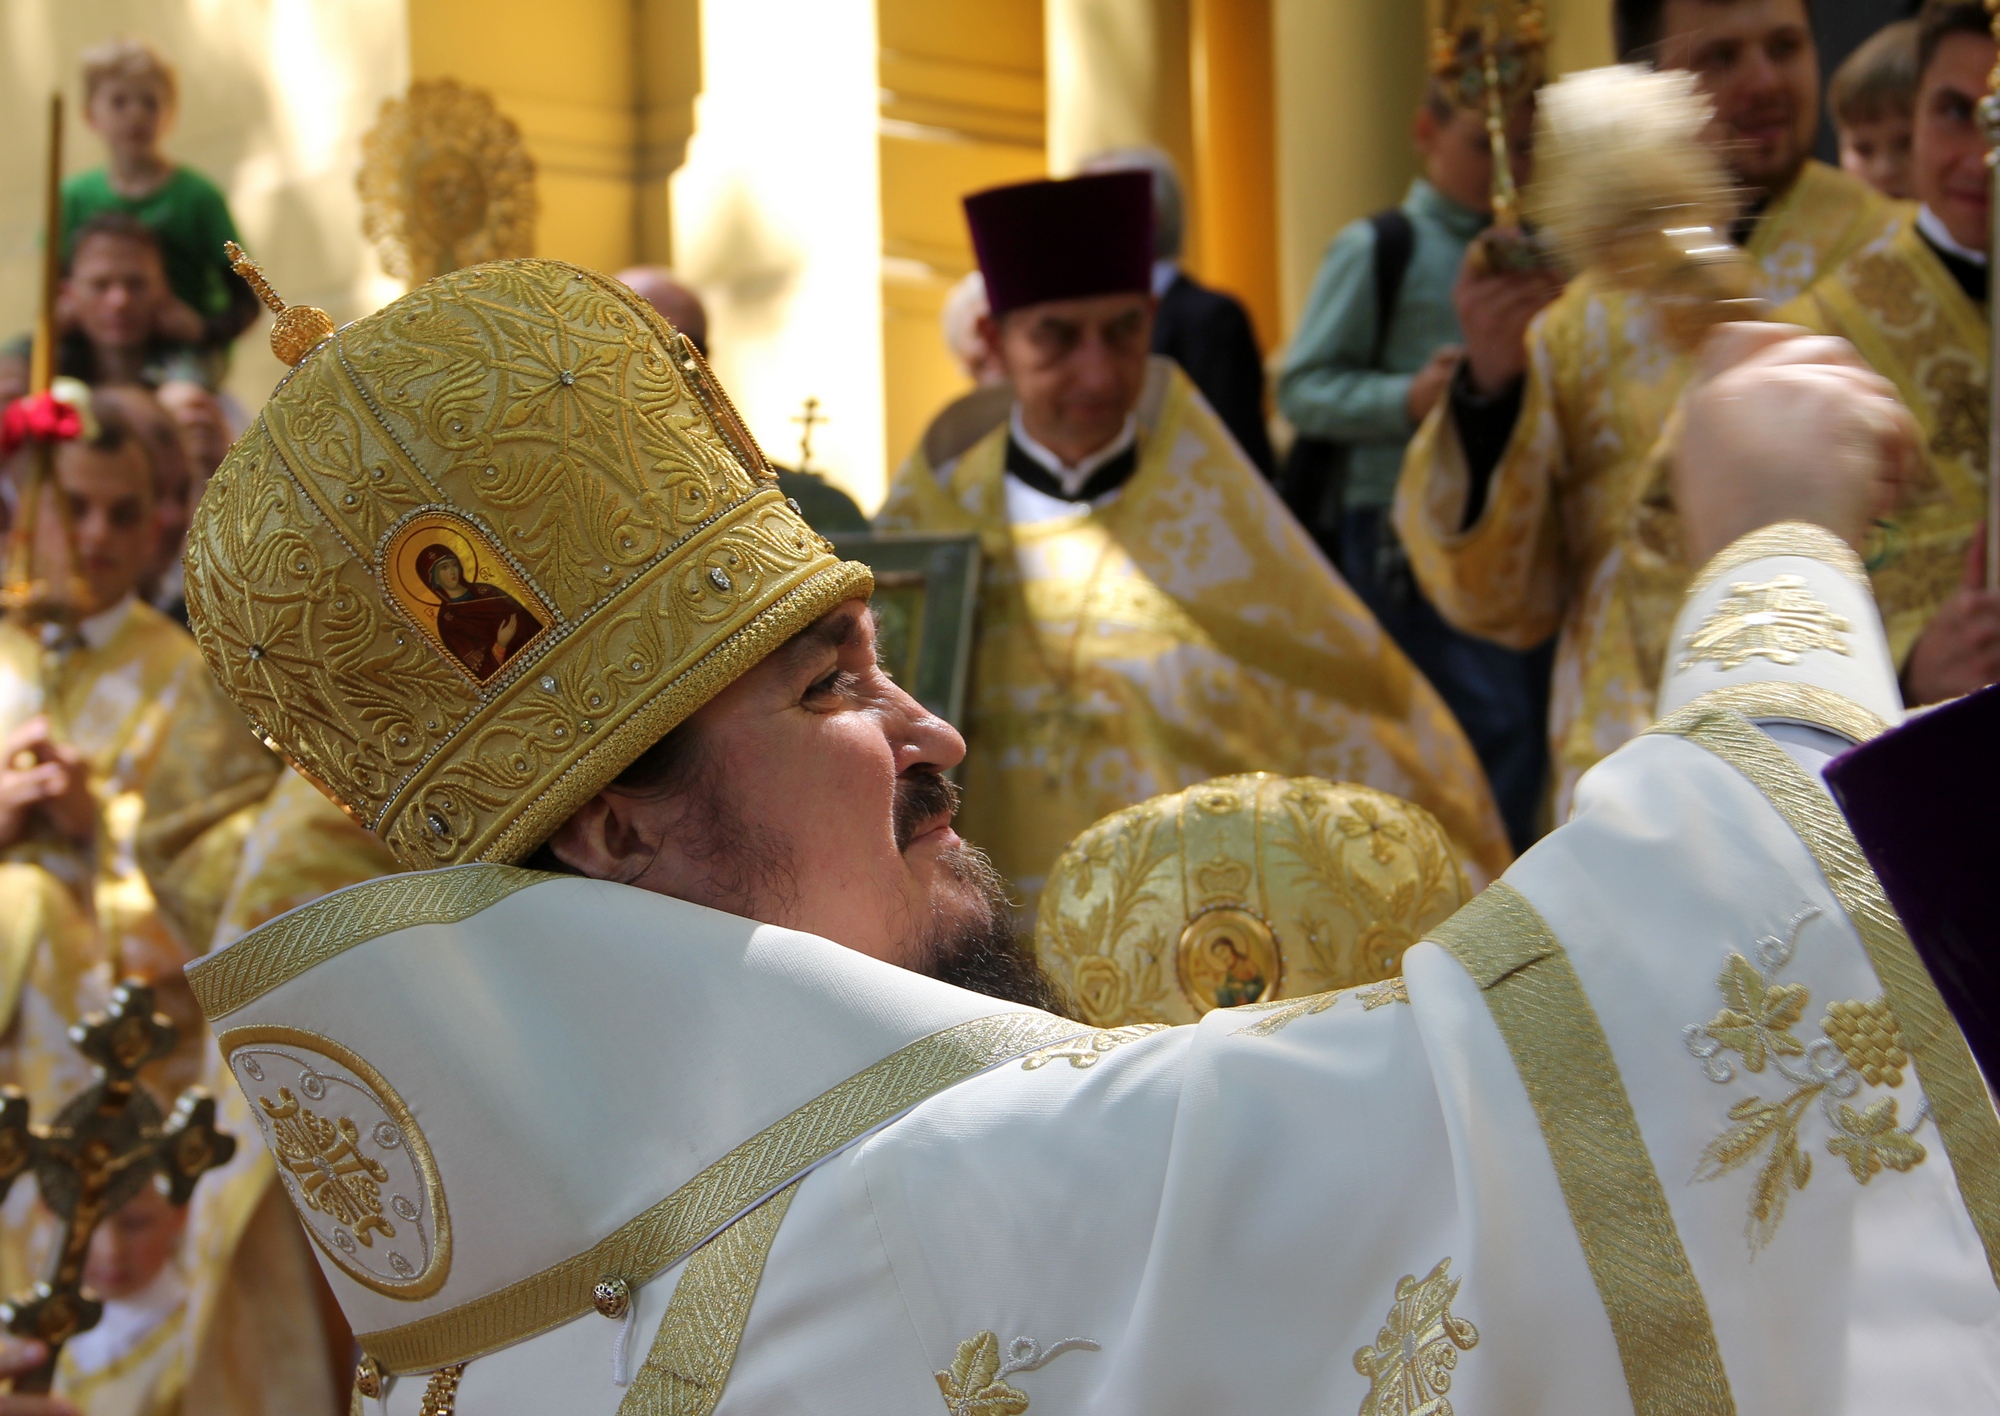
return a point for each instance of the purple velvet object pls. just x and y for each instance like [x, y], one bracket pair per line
[1924, 802]
[1066, 240]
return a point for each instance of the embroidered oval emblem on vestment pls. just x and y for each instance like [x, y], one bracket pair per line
[351, 1157]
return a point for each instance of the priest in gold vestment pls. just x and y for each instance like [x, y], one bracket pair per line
[1913, 302]
[1150, 614]
[140, 825]
[1520, 494]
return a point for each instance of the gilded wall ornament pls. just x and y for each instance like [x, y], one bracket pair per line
[445, 182]
[1242, 891]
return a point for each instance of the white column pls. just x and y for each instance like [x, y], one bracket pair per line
[777, 221]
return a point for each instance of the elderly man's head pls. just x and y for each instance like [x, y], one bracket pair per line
[676, 302]
[811, 793]
[1068, 269]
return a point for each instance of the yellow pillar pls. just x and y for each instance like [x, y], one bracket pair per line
[777, 221]
[962, 110]
[666, 51]
[566, 77]
[1349, 75]
[1119, 76]
[1235, 159]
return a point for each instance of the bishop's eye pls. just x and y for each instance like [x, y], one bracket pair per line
[836, 684]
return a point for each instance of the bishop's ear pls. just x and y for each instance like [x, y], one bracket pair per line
[607, 839]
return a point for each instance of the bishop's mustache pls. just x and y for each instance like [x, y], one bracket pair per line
[920, 798]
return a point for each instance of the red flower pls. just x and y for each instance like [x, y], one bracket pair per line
[40, 415]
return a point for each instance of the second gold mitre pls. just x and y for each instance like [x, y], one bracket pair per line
[484, 547]
[1242, 890]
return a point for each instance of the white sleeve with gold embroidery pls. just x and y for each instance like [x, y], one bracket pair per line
[1784, 623]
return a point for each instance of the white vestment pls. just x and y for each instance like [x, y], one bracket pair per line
[1668, 1120]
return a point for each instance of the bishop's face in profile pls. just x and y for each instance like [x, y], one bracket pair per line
[482, 625]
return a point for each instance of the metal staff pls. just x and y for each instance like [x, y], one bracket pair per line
[30, 593]
[1989, 119]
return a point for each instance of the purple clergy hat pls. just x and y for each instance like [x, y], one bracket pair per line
[1922, 802]
[1064, 240]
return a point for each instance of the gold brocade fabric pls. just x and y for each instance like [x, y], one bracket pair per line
[487, 545]
[164, 749]
[1899, 306]
[1569, 542]
[1187, 629]
[1242, 890]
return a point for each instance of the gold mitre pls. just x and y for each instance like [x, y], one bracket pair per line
[1242, 890]
[485, 546]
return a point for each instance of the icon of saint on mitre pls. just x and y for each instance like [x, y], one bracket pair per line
[1228, 957]
[477, 610]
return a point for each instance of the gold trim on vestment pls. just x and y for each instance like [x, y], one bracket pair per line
[1784, 538]
[665, 1234]
[1666, 1337]
[279, 951]
[1959, 1100]
[695, 1347]
[391, 1101]
[1792, 703]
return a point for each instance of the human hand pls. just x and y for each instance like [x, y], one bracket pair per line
[18, 1359]
[504, 636]
[175, 319]
[39, 773]
[1495, 308]
[1782, 425]
[1959, 650]
[1432, 380]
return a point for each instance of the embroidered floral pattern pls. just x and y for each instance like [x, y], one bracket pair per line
[1381, 995]
[1084, 1052]
[1409, 1368]
[1862, 1045]
[1779, 619]
[334, 1177]
[976, 1382]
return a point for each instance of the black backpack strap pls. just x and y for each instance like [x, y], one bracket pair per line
[1313, 481]
[1395, 243]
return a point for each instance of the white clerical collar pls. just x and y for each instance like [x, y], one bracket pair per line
[1934, 232]
[127, 1322]
[1165, 273]
[1073, 478]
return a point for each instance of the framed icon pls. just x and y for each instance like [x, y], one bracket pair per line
[926, 596]
[452, 582]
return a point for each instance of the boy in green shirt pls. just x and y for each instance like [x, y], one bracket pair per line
[129, 99]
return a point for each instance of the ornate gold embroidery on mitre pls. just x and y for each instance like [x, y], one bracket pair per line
[1778, 619]
[1409, 1368]
[976, 1382]
[484, 547]
[1243, 891]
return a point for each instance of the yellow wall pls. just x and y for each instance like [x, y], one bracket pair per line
[962, 110]
[603, 92]
[777, 221]
[274, 99]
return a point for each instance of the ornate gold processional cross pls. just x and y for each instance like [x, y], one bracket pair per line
[100, 1151]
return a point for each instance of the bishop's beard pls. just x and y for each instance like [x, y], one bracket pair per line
[975, 945]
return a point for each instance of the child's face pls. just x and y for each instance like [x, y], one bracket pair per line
[1877, 151]
[129, 114]
[1458, 155]
[129, 1249]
